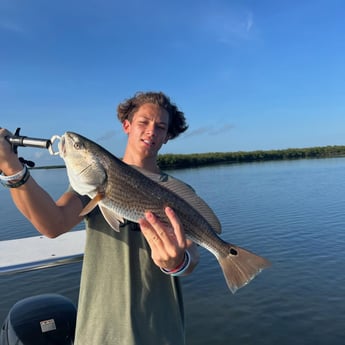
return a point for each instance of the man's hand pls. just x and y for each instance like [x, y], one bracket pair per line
[168, 243]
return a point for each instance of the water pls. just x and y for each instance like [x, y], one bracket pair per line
[289, 212]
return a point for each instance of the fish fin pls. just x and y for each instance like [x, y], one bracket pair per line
[241, 266]
[187, 193]
[112, 218]
[92, 204]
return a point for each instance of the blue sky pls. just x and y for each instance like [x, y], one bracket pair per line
[248, 74]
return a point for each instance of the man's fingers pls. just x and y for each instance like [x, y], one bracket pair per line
[177, 226]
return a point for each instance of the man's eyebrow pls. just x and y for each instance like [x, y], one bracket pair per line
[147, 117]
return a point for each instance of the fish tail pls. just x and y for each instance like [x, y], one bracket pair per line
[240, 266]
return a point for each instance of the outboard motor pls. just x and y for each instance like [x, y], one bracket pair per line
[47, 319]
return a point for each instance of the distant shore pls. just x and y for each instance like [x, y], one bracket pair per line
[194, 160]
[174, 161]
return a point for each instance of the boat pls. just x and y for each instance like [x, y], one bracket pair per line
[47, 319]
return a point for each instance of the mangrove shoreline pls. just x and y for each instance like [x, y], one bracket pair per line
[194, 160]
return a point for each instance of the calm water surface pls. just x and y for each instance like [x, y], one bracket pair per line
[289, 212]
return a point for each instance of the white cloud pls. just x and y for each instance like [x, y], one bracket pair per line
[227, 25]
[250, 22]
[209, 130]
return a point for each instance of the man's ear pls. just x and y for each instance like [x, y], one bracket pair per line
[126, 126]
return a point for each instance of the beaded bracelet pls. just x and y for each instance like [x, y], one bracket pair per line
[180, 269]
[9, 184]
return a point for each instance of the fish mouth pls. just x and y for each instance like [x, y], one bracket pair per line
[65, 140]
[62, 146]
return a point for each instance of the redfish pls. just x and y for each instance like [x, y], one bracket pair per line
[123, 192]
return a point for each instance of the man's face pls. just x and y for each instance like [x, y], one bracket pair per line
[148, 130]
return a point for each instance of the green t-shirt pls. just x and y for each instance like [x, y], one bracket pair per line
[124, 298]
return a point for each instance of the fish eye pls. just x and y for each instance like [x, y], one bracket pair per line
[77, 146]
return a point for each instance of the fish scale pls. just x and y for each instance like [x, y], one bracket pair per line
[123, 192]
[158, 199]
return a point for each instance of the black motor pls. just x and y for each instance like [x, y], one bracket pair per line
[47, 319]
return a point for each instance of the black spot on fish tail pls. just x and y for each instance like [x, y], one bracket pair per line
[233, 251]
[240, 266]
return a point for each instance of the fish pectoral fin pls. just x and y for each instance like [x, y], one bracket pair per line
[112, 218]
[92, 204]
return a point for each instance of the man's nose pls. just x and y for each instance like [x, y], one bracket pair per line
[151, 130]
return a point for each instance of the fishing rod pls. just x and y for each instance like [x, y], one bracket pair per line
[17, 140]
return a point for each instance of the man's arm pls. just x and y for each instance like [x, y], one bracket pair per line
[49, 217]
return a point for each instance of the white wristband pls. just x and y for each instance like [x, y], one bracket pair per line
[14, 177]
[180, 270]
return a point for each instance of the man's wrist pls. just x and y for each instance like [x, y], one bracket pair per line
[11, 167]
[181, 268]
[16, 180]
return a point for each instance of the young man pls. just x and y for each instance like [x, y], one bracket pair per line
[129, 293]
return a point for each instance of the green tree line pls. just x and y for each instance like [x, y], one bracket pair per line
[175, 161]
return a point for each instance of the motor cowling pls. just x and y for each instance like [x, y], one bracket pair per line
[47, 319]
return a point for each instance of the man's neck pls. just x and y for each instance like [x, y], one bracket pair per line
[148, 163]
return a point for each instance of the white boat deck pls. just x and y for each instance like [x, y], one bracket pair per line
[26, 254]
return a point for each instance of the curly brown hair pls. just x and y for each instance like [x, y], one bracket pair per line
[177, 121]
